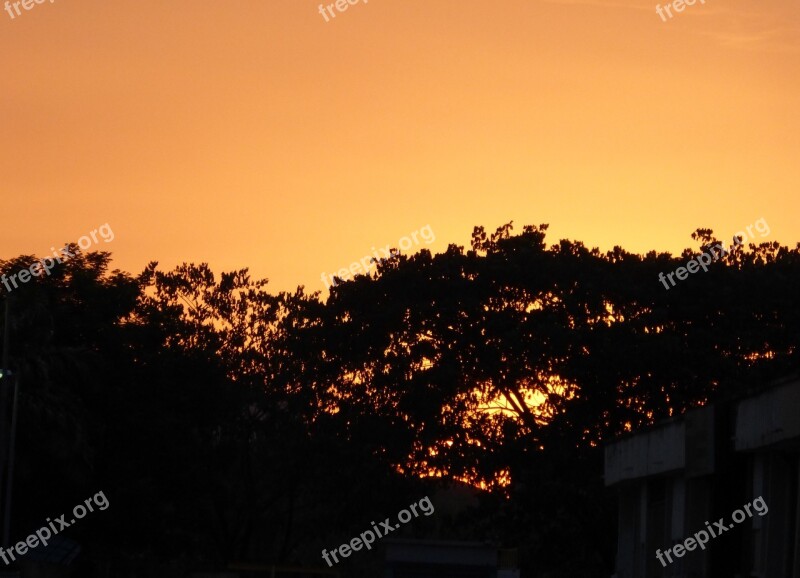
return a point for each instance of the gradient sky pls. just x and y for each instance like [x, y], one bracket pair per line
[253, 133]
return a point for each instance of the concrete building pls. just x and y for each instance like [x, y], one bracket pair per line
[448, 559]
[705, 466]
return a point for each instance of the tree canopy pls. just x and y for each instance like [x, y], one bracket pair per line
[226, 423]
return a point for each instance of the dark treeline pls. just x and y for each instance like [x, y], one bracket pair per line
[226, 424]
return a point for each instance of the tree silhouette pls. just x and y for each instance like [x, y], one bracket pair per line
[226, 423]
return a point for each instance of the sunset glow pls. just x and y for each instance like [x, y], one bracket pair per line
[258, 134]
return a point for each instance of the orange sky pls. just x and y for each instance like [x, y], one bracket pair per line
[253, 133]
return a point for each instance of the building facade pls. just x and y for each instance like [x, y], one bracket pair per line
[700, 474]
[448, 559]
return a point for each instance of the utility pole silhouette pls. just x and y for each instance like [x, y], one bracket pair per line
[8, 432]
